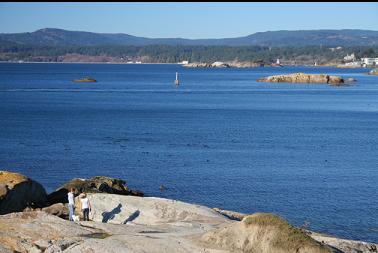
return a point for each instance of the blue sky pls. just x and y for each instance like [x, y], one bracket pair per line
[187, 20]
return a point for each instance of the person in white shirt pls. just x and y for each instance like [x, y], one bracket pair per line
[71, 203]
[85, 206]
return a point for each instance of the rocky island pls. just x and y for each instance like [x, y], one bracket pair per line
[373, 72]
[85, 80]
[122, 220]
[304, 78]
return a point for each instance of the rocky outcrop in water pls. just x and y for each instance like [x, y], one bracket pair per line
[18, 192]
[303, 78]
[373, 72]
[351, 79]
[93, 185]
[218, 64]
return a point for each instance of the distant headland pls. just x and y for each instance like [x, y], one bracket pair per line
[349, 48]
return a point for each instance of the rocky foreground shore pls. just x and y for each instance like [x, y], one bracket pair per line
[122, 220]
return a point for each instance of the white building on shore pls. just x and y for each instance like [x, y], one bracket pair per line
[349, 58]
[369, 61]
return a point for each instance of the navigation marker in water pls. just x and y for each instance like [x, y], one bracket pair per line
[177, 82]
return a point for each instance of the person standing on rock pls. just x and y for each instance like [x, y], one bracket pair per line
[85, 206]
[71, 203]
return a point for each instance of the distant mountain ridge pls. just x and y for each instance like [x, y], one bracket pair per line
[283, 38]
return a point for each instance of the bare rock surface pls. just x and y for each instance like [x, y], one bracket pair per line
[118, 209]
[37, 231]
[162, 225]
[18, 192]
[350, 246]
[303, 78]
[146, 224]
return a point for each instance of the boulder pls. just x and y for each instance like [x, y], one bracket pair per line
[373, 72]
[18, 192]
[58, 196]
[99, 184]
[351, 79]
[58, 209]
[303, 78]
[263, 233]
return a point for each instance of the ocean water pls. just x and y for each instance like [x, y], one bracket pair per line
[308, 153]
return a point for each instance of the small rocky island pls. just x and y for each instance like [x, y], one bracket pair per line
[373, 72]
[122, 220]
[85, 80]
[305, 78]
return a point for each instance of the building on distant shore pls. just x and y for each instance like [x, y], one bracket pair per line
[369, 61]
[364, 62]
[349, 58]
[184, 62]
[353, 64]
[335, 48]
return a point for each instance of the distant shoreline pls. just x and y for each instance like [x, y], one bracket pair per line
[150, 63]
[119, 63]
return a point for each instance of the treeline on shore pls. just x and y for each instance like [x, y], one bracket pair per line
[173, 54]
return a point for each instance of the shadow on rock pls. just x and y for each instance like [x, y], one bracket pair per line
[106, 216]
[132, 217]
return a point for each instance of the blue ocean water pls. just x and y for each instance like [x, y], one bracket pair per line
[308, 153]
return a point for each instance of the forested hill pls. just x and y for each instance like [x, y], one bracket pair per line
[60, 37]
[173, 54]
